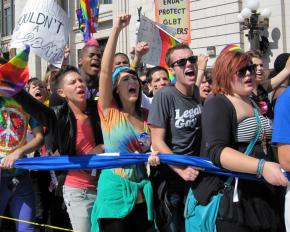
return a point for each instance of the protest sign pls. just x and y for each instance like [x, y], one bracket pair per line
[44, 26]
[158, 39]
[175, 13]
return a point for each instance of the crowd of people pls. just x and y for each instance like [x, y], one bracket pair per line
[225, 114]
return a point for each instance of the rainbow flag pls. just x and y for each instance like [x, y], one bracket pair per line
[167, 41]
[14, 74]
[88, 16]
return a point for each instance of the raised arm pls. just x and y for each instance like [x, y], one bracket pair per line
[201, 67]
[105, 82]
[44, 115]
[140, 50]
[274, 82]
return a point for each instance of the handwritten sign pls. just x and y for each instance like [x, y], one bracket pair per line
[149, 33]
[44, 26]
[175, 13]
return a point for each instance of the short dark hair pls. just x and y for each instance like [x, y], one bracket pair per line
[58, 78]
[85, 48]
[151, 71]
[254, 54]
[34, 81]
[280, 62]
[171, 50]
[122, 54]
[3, 60]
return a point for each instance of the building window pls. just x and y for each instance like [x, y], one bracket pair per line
[105, 1]
[7, 21]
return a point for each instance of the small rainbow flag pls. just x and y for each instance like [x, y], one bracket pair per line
[88, 16]
[14, 74]
[168, 41]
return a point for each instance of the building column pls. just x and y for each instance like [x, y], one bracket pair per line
[122, 7]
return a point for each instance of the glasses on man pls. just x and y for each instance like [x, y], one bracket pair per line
[182, 62]
[243, 71]
[144, 82]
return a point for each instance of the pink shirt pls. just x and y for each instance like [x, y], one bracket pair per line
[85, 142]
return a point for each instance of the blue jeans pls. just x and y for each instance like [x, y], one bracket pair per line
[20, 202]
[79, 203]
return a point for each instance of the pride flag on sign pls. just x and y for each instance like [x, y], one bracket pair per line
[159, 41]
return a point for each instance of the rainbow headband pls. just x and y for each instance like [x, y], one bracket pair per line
[232, 48]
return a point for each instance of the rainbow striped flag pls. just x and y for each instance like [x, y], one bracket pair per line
[88, 16]
[168, 41]
[14, 74]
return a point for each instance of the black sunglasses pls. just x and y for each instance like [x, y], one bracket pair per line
[144, 82]
[182, 62]
[243, 71]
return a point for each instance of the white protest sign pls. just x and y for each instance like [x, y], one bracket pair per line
[45, 27]
[149, 33]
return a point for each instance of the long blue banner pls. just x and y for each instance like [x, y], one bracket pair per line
[114, 160]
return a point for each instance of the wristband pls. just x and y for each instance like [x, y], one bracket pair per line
[260, 167]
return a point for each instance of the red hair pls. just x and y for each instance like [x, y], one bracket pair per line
[226, 66]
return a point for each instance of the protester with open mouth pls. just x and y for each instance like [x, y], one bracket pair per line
[175, 123]
[230, 122]
[205, 87]
[124, 199]
[37, 89]
[263, 85]
[76, 130]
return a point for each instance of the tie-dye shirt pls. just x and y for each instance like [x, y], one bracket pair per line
[13, 127]
[121, 136]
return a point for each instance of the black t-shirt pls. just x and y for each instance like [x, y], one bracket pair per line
[180, 116]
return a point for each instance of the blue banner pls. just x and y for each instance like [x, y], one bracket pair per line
[115, 160]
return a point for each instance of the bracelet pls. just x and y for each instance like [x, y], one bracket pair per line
[260, 168]
[133, 65]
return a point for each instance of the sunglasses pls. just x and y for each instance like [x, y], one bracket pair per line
[243, 71]
[182, 62]
[144, 82]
